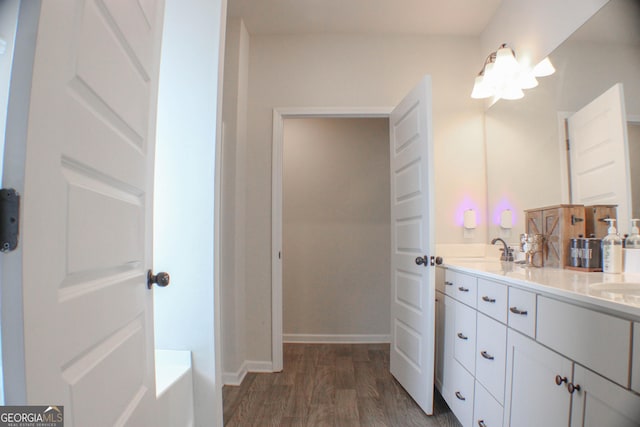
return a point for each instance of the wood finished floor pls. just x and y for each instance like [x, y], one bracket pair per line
[339, 385]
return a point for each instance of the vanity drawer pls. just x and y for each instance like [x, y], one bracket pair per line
[491, 352]
[462, 287]
[464, 346]
[598, 341]
[635, 375]
[522, 311]
[492, 299]
[487, 412]
[461, 398]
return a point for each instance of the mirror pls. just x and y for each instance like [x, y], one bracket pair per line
[527, 165]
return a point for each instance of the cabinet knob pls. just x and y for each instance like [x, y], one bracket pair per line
[448, 283]
[571, 387]
[515, 310]
[462, 336]
[460, 396]
[463, 289]
[481, 423]
[487, 299]
[560, 380]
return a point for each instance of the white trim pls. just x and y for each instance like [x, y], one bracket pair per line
[279, 114]
[236, 378]
[336, 339]
[565, 181]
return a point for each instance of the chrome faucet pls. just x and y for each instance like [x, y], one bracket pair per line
[507, 252]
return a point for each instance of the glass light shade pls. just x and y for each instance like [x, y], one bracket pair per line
[506, 65]
[511, 92]
[481, 89]
[544, 68]
[527, 80]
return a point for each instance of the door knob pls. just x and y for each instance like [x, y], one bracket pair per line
[161, 279]
[422, 260]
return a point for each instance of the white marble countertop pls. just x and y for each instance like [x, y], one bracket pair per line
[613, 292]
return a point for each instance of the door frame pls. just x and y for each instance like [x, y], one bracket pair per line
[279, 115]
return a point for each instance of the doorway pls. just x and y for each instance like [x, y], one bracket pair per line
[279, 116]
[336, 230]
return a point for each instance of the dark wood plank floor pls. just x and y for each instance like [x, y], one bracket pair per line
[339, 385]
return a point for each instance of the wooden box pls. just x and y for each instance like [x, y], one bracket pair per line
[558, 224]
[594, 219]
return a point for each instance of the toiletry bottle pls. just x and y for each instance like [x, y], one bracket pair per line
[612, 250]
[633, 241]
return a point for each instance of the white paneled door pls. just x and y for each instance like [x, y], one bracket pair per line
[412, 285]
[87, 210]
[599, 154]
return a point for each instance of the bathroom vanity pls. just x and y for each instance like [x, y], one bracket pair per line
[522, 346]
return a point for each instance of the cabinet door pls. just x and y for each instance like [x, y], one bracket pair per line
[532, 397]
[465, 337]
[490, 355]
[447, 360]
[439, 343]
[599, 402]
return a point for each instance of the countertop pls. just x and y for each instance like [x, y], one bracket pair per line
[619, 293]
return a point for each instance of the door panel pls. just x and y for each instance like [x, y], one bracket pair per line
[413, 286]
[86, 230]
[599, 154]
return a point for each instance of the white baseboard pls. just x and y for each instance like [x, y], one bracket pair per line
[336, 339]
[236, 378]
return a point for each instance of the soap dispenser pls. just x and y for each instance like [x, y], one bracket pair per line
[633, 241]
[632, 250]
[612, 249]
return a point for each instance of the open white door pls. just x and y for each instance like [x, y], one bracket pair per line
[599, 154]
[412, 285]
[86, 213]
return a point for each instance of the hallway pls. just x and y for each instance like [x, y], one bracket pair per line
[329, 385]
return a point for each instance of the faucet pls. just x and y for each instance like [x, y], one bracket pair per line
[507, 252]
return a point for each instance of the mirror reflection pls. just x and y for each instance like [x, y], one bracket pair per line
[527, 162]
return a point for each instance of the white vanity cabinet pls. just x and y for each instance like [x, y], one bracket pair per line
[519, 356]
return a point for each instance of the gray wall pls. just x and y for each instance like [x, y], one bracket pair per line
[336, 227]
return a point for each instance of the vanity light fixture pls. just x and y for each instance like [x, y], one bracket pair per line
[503, 77]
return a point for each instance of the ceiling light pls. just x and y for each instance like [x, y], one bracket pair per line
[544, 68]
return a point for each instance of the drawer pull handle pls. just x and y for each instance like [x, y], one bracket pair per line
[487, 299]
[463, 289]
[560, 380]
[462, 336]
[448, 283]
[486, 355]
[571, 387]
[515, 310]
[481, 423]
[459, 396]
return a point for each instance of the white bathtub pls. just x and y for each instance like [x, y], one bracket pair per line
[174, 388]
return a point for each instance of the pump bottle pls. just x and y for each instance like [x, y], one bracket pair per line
[612, 250]
[633, 241]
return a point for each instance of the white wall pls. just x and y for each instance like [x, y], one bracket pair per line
[336, 229]
[358, 71]
[535, 28]
[184, 210]
[234, 116]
